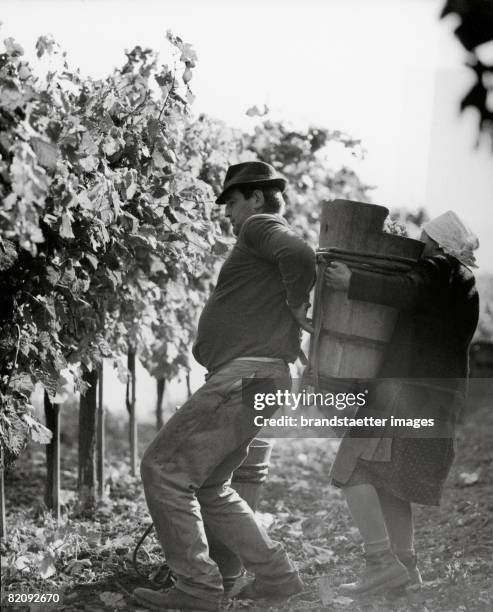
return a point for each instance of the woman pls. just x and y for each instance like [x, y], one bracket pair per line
[438, 313]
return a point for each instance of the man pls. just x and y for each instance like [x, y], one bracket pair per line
[249, 330]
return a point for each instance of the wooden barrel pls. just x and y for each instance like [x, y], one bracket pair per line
[247, 481]
[351, 336]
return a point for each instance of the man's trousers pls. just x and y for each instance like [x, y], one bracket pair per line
[187, 469]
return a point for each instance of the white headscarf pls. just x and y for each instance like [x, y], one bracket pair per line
[453, 237]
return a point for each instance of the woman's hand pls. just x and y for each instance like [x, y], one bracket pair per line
[337, 276]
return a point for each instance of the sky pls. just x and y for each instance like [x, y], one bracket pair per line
[386, 71]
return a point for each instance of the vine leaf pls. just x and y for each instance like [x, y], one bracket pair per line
[39, 433]
[46, 152]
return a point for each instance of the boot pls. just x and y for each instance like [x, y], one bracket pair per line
[172, 599]
[258, 589]
[411, 564]
[383, 571]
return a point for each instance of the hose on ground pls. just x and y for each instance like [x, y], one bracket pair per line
[163, 577]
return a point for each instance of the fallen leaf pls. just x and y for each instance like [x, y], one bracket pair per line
[354, 534]
[325, 591]
[47, 565]
[302, 458]
[314, 527]
[21, 563]
[112, 599]
[300, 485]
[318, 554]
[343, 601]
[468, 478]
[77, 566]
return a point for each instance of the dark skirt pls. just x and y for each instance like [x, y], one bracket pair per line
[416, 471]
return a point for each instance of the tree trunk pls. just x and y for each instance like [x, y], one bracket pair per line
[3, 522]
[52, 493]
[161, 383]
[130, 400]
[87, 441]
[101, 435]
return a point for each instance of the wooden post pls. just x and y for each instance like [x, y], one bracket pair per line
[87, 441]
[161, 383]
[100, 435]
[3, 521]
[189, 387]
[130, 400]
[52, 493]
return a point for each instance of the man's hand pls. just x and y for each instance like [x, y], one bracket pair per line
[299, 313]
[338, 276]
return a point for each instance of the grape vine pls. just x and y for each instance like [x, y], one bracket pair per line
[109, 237]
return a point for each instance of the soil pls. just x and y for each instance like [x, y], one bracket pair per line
[88, 558]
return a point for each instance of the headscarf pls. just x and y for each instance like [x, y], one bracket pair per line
[453, 237]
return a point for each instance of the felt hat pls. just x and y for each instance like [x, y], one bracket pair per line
[254, 173]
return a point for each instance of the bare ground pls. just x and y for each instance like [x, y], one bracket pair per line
[87, 559]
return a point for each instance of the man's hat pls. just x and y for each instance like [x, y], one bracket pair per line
[255, 173]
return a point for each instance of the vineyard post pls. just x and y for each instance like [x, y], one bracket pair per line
[189, 386]
[161, 383]
[130, 401]
[100, 435]
[3, 525]
[87, 440]
[52, 493]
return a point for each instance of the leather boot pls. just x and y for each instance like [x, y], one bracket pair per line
[172, 599]
[411, 563]
[383, 572]
[258, 589]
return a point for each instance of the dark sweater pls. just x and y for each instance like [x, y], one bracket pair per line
[248, 313]
[439, 310]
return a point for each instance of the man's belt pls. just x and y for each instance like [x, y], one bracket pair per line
[266, 359]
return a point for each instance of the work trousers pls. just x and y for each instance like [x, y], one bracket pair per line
[187, 470]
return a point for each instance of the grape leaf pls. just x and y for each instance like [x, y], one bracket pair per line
[66, 226]
[46, 152]
[46, 565]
